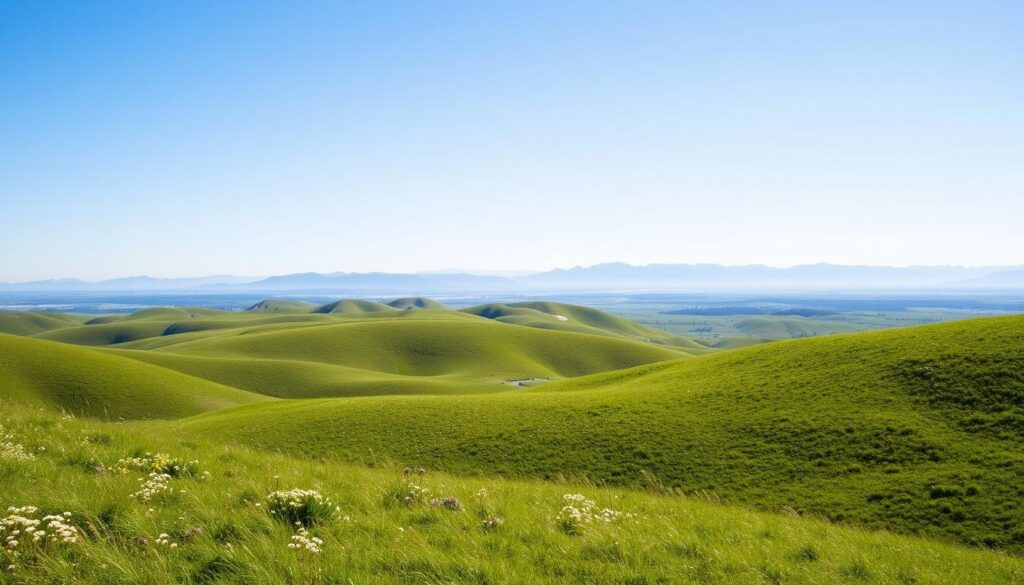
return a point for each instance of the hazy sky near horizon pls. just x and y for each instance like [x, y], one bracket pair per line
[183, 138]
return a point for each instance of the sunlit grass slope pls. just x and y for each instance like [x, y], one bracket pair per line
[359, 348]
[566, 317]
[435, 347]
[914, 430]
[283, 306]
[215, 528]
[84, 381]
[354, 306]
[416, 303]
[128, 330]
[31, 323]
[304, 379]
[790, 327]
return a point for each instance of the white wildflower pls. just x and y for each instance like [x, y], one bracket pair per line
[578, 511]
[154, 487]
[303, 542]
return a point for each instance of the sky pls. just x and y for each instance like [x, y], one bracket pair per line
[183, 138]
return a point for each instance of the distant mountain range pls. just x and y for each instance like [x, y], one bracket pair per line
[600, 277]
[618, 276]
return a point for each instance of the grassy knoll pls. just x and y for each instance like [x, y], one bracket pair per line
[83, 381]
[31, 323]
[916, 430]
[405, 303]
[383, 357]
[354, 306]
[355, 348]
[574, 318]
[304, 379]
[213, 526]
[435, 347]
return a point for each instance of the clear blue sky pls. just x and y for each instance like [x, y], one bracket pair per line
[184, 138]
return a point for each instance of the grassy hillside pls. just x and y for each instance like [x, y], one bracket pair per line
[356, 348]
[434, 347]
[283, 306]
[31, 323]
[213, 526]
[790, 327]
[353, 306]
[577, 319]
[416, 303]
[87, 382]
[914, 430]
[304, 379]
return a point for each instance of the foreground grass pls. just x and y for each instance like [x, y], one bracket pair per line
[915, 430]
[215, 527]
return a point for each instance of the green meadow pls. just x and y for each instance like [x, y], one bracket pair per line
[444, 442]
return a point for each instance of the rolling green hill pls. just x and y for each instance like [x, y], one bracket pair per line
[416, 303]
[31, 323]
[358, 348]
[283, 306]
[110, 333]
[87, 382]
[303, 379]
[915, 430]
[790, 327]
[466, 349]
[353, 306]
[566, 317]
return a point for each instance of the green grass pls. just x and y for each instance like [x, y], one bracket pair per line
[416, 303]
[83, 381]
[916, 431]
[222, 533]
[353, 348]
[577, 319]
[790, 327]
[354, 306]
[434, 347]
[304, 379]
[855, 428]
[283, 306]
[31, 323]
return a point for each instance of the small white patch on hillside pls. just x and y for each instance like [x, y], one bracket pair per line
[560, 317]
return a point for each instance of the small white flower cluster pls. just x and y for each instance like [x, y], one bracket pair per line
[154, 487]
[578, 511]
[11, 450]
[448, 503]
[482, 493]
[301, 506]
[165, 540]
[303, 542]
[492, 523]
[416, 494]
[22, 534]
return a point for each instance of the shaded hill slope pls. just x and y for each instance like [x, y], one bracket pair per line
[915, 430]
